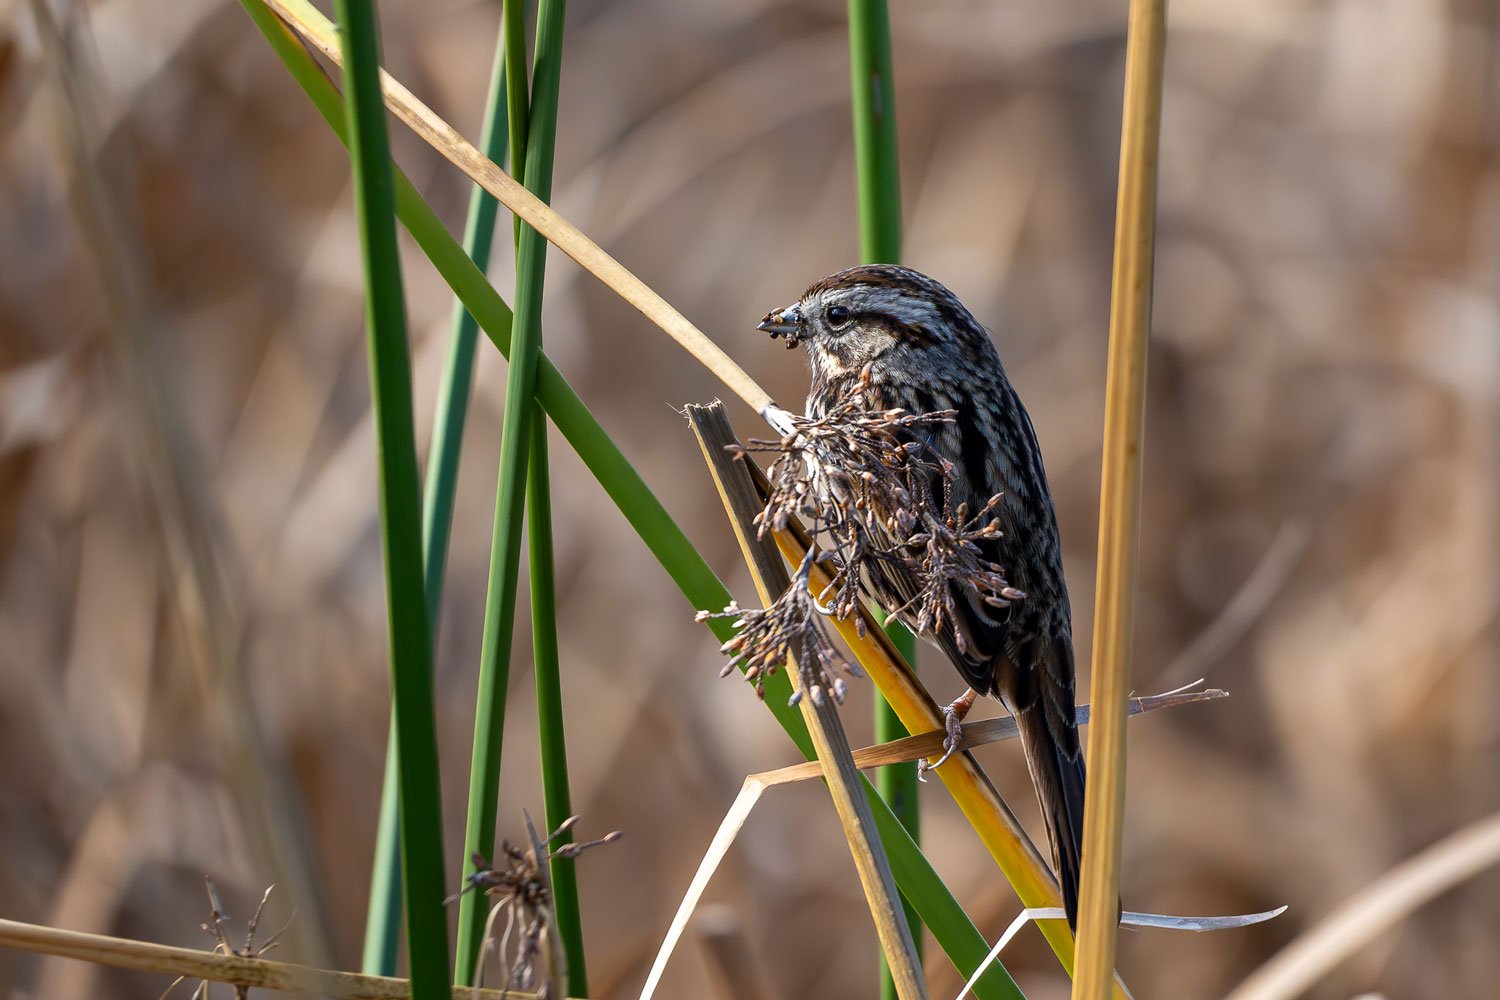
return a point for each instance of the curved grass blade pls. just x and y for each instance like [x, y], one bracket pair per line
[912, 748]
[1128, 918]
[947, 923]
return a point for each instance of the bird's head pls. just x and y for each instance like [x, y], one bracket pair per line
[876, 314]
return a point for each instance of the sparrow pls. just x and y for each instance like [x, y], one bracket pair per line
[894, 337]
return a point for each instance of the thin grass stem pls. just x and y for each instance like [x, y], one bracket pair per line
[898, 785]
[382, 948]
[557, 798]
[877, 166]
[515, 451]
[541, 108]
[517, 94]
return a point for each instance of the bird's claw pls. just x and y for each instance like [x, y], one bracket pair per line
[953, 724]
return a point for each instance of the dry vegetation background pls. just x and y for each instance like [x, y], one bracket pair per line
[191, 627]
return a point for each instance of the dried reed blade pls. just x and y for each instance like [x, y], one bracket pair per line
[260, 973]
[906, 749]
[718, 848]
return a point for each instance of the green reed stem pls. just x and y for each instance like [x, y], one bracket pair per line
[412, 711]
[873, 96]
[517, 101]
[383, 922]
[877, 166]
[950, 926]
[382, 947]
[515, 449]
[556, 795]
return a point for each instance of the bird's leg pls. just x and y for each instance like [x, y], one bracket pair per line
[953, 723]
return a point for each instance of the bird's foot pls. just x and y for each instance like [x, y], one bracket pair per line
[953, 725]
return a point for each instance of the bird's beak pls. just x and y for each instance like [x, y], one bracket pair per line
[786, 323]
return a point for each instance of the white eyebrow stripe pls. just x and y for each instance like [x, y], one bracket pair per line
[897, 303]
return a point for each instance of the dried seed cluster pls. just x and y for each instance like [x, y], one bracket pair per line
[791, 627]
[947, 563]
[217, 927]
[878, 497]
[519, 885]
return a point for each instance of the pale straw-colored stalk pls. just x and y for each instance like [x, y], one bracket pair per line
[189, 963]
[1120, 496]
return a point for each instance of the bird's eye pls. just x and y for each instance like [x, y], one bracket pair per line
[837, 315]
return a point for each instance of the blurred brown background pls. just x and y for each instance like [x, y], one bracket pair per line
[192, 673]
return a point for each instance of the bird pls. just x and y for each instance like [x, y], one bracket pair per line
[902, 339]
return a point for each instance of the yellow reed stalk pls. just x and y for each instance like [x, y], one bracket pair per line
[1120, 497]
[320, 33]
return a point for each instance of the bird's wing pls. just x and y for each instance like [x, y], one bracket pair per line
[977, 635]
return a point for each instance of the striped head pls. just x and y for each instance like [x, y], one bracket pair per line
[899, 321]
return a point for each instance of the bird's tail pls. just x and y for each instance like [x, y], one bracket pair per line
[1058, 777]
[1049, 737]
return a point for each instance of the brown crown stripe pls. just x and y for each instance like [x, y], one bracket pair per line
[879, 276]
